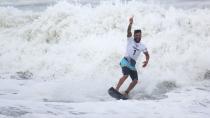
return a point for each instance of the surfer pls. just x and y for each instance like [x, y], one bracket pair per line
[128, 62]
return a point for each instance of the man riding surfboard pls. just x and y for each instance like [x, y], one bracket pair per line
[128, 62]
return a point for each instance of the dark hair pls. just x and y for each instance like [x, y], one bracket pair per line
[137, 31]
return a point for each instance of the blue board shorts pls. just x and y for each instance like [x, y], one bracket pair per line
[128, 68]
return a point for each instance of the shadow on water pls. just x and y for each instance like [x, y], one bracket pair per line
[12, 111]
[158, 93]
[207, 75]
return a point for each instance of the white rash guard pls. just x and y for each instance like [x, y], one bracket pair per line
[134, 49]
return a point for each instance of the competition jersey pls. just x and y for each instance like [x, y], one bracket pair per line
[134, 49]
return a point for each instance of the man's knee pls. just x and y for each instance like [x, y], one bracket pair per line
[125, 76]
[135, 81]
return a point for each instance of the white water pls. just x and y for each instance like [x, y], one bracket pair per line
[71, 53]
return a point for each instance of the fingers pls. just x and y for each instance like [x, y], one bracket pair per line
[145, 64]
[131, 19]
[132, 16]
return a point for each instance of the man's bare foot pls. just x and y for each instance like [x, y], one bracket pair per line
[125, 94]
[116, 89]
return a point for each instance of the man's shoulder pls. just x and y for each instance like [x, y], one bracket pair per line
[142, 45]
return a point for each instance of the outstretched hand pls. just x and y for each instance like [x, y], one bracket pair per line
[131, 20]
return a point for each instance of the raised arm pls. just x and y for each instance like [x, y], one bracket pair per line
[129, 33]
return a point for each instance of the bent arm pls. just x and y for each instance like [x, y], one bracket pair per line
[147, 56]
[147, 59]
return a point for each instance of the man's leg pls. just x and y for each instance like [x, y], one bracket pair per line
[125, 71]
[121, 81]
[131, 86]
[134, 77]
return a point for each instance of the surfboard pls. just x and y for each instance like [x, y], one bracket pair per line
[115, 94]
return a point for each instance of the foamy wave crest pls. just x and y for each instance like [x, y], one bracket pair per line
[80, 41]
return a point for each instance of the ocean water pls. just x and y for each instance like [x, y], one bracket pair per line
[42, 5]
[67, 53]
